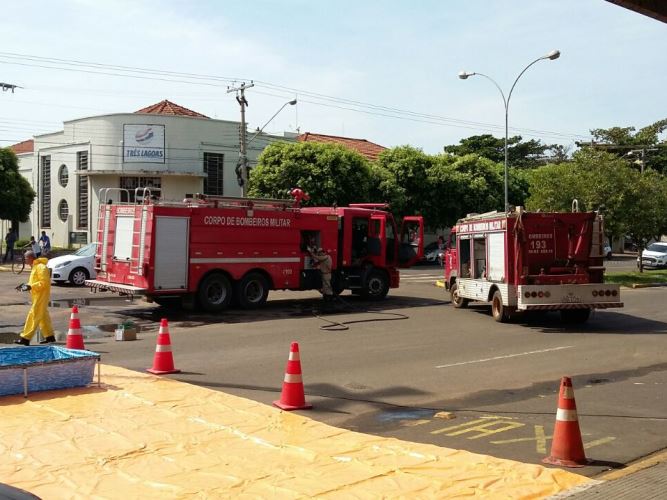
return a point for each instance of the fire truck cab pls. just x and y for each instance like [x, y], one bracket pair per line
[211, 251]
[529, 261]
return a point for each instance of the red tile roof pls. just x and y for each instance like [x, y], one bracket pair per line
[369, 149]
[23, 147]
[169, 108]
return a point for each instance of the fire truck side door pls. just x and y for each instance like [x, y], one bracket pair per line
[376, 239]
[412, 240]
[171, 253]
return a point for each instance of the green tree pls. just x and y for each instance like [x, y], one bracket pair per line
[647, 212]
[520, 154]
[330, 174]
[643, 146]
[598, 180]
[17, 195]
[404, 169]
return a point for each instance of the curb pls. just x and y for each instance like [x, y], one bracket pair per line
[648, 285]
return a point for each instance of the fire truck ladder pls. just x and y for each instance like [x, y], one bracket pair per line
[235, 202]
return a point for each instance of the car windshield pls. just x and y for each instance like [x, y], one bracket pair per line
[657, 247]
[86, 251]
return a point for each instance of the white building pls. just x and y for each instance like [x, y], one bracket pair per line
[163, 146]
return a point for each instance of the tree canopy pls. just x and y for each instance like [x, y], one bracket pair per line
[17, 195]
[329, 173]
[520, 153]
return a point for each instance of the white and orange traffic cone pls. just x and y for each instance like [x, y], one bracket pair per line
[293, 397]
[567, 448]
[74, 336]
[163, 362]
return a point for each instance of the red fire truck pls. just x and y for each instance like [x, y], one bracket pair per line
[526, 261]
[209, 251]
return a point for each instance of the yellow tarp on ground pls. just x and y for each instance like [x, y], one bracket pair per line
[141, 436]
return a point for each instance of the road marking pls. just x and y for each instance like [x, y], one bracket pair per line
[598, 442]
[540, 440]
[483, 426]
[506, 356]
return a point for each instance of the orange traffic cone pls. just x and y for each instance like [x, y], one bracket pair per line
[292, 397]
[567, 448]
[163, 362]
[74, 336]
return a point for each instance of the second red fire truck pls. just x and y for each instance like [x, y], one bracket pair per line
[212, 251]
[530, 261]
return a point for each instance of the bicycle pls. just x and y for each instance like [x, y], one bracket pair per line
[18, 264]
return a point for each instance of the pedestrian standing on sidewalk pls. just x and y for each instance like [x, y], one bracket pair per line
[45, 243]
[39, 286]
[10, 240]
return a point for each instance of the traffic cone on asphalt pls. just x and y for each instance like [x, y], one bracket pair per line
[163, 362]
[74, 336]
[567, 448]
[293, 397]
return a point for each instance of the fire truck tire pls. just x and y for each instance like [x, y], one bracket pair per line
[457, 301]
[376, 286]
[252, 291]
[574, 316]
[499, 312]
[214, 293]
[78, 276]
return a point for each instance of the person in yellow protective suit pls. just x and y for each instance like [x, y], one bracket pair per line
[39, 286]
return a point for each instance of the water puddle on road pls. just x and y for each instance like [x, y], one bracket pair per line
[102, 301]
[395, 415]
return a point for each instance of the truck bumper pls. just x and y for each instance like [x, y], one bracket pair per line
[568, 296]
[104, 286]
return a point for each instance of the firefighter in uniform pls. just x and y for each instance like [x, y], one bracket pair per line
[322, 261]
[39, 286]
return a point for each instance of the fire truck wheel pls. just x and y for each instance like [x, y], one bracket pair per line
[573, 316]
[214, 293]
[457, 301]
[252, 291]
[376, 287]
[498, 310]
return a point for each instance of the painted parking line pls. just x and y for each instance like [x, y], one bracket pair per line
[506, 356]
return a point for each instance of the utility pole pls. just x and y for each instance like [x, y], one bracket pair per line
[242, 164]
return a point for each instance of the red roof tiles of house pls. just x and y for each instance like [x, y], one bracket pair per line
[169, 108]
[23, 147]
[369, 149]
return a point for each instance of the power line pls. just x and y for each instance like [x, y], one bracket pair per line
[357, 106]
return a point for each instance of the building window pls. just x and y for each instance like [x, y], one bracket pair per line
[82, 189]
[63, 175]
[45, 192]
[213, 169]
[130, 185]
[63, 210]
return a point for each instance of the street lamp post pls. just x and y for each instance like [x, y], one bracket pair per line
[242, 168]
[554, 54]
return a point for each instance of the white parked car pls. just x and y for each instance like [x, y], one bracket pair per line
[75, 268]
[606, 250]
[655, 255]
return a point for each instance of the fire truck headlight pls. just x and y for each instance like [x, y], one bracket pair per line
[607, 293]
[540, 294]
[595, 293]
[527, 295]
[614, 293]
[547, 294]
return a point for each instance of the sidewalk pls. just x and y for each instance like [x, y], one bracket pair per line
[645, 480]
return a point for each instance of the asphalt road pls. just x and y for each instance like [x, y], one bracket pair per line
[426, 372]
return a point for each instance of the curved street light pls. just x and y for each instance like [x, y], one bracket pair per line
[463, 75]
[242, 167]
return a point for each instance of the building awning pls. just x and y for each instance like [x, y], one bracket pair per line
[141, 173]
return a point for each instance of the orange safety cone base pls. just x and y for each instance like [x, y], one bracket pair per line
[161, 372]
[565, 463]
[287, 407]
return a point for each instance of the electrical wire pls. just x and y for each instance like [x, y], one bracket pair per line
[316, 98]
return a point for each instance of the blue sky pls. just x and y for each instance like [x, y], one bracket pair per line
[385, 71]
